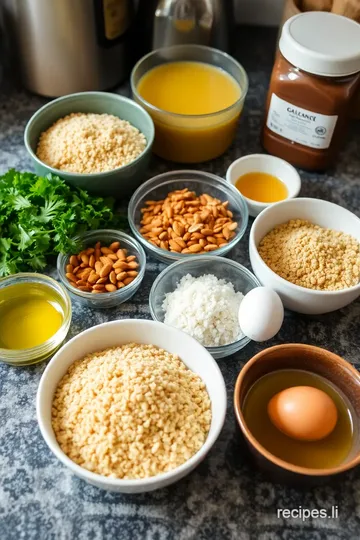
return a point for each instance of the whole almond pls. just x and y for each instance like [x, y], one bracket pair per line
[132, 273]
[128, 280]
[164, 244]
[121, 264]
[85, 288]
[97, 254]
[110, 287]
[98, 266]
[196, 227]
[226, 233]
[211, 247]
[76, 269]
[120, 285]
[206, 232]
[180, 241]
[89, 251]
[97, 245]
[112, 277]
[211, 239]
[106, 251]
[93, 277]
[85, 258]
[202, 242]
[112, 257]
[121, 276]
[174, 246]
[195, 248]
[81, 283]
[121, 254]
[84, 265]
[99, 287]
[69, 268]
[94, 291]
[105, 271]
[157, 230]
[92, 261]
[106, 260]
[114, 246]
[102, 280]
[74, 260]
[178, 228]
[232, 226]
[85, 273]
[186, 236]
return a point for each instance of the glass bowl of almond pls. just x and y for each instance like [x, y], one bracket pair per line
[182, 213]
[105, 271]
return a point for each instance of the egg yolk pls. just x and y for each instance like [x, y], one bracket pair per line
[304, 413]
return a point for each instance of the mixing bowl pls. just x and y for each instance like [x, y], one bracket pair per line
[222, 268]
[116, 333]
[319, 212]
[119, 182]
[192, 138]
[159, 186]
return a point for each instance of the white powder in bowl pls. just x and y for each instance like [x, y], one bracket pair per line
[206, 308]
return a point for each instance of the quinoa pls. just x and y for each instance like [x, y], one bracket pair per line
[129, 412]
[312, 256]
[90, 143]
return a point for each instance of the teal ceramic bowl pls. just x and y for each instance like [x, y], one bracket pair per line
[120, 182]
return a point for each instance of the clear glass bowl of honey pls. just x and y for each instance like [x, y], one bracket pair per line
[195, 96]
[35, 315]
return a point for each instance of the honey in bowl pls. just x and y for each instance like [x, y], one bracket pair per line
[262, 187]
[326, 452]
[189, 92]
[30, 314]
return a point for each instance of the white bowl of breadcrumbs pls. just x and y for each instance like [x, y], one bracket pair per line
[131, 405]
[308, 251]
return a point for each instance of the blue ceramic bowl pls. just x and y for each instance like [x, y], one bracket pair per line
[120, 182]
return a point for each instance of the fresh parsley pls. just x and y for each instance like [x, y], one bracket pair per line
[39, 216]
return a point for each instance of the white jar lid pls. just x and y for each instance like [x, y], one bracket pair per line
[322, 43]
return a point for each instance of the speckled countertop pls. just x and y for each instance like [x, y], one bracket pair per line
[225, 498]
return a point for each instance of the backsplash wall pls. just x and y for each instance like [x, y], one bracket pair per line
[262, 12]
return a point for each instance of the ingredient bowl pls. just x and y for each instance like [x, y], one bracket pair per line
[264, 163]
[328, 365]
[231, 271]
[108, 299]
[194, 356]
[319, 212]
[159, 186]
[119, 182]
[16, 288]
[197, 137]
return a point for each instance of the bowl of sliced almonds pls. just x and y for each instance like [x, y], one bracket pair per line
[183, 213]
[106, 270]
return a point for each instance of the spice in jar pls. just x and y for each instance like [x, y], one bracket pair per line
[313, 84]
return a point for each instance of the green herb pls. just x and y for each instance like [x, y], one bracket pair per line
[39, 216]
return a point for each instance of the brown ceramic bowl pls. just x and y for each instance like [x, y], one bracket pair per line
[316, 360]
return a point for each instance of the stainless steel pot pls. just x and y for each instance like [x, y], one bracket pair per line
[68, 46]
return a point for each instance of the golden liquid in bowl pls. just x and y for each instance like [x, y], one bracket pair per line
[262, 187]
[322, 454]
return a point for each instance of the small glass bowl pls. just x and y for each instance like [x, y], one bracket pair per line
[231, 271]
[34, 355]
[109, 299]
[159, 186]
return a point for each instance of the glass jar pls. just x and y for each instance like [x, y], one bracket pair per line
[313, 84]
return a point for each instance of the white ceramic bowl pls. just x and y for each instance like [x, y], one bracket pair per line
[110, 334]
[266, 164]
[323, 213]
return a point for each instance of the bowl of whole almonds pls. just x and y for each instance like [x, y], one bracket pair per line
[184, 213]
[106, 270]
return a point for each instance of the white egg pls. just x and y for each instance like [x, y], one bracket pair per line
[261, 314]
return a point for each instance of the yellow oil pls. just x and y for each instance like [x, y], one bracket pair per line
[326, 453]
[262, 187]
[30, 314]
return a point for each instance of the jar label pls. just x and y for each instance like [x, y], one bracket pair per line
[300, 125]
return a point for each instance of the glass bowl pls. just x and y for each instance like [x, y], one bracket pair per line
[231, 271]
[192, 138]
[108, 299]
[34, 355]
[201, 182]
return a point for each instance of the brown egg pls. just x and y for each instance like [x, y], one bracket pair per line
[303, 413]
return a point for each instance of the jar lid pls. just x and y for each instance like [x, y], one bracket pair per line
[322, 43]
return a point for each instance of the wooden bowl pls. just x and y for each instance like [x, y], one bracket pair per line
[309, 358]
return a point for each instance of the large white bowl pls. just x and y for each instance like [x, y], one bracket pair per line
[323, 213]
[110, 334]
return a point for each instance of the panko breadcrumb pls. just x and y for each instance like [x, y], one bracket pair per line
[90, 143]
[311, 256]
[129, 412]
